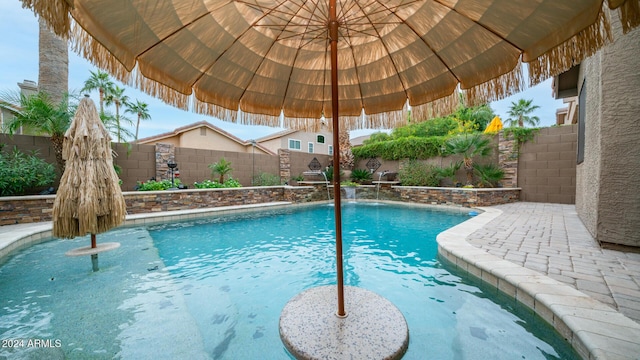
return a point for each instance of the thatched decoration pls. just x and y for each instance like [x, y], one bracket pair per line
[630, 15]
[89, 199]
[441, 107]
[164, 92]
[55, 14]
[86, 46]
[153, 39]
[571, 52]
[496, 89]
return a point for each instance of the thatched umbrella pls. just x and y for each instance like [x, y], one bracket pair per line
[362, 63]
[89, 199]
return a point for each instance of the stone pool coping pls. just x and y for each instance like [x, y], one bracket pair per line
[595, 330]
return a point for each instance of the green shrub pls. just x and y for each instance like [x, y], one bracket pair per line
[266, 179]
[208, 184]
[232, 183]
[329, 173]
[488, 175]
[348, 184]
[448, 172]
[402, 148]
[433, 127]
[221, 168]
[417, 173]
[361, 175]
[20, 172]
[153, 185]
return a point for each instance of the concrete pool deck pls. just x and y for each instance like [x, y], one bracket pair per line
[543, 256]
[538, 253]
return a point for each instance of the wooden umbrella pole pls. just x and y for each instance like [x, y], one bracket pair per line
[94, 257]
[333, 37]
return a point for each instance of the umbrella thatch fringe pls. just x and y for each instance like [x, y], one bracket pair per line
[306, 124]
[441, 107]
[497, 88]
[55, 14]
[219, 112]
[161, 91]
[573, 51]
[629, 15]
[89, 199]
[83, 44]
[388, 120]
[258, 119]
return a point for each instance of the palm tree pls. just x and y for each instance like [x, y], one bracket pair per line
[43, 117]
[346, 156]
[222, 167]
[100, 81]
[141, 110]
[469, 146]
[53, 64]
[519, 113]
[114, 127]
[116, 97]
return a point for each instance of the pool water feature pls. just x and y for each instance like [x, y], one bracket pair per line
[214, 289]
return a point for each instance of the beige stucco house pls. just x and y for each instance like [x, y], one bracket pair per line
[204, 135]
[7, 111]
[300, 141]
[6, 114]
[607, 86]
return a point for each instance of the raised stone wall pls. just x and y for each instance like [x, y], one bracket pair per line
[456, 196]
[30, 209]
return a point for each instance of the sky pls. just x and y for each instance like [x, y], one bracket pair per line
[19, 62]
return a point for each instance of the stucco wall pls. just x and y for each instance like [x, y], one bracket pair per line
[305, 138]
[607, 199]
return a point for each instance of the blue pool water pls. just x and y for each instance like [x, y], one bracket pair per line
[214, 289]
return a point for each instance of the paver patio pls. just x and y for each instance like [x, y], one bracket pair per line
[551, 239]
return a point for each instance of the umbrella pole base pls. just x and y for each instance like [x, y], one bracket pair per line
[94, 262]
[373, 329]
[93, 251]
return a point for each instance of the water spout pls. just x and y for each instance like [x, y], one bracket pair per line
[381, 174]
[350, 193]
[326, 181]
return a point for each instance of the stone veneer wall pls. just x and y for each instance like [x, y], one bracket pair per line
[38, 208]
[31, 209]
[508, 159]
[456, 196]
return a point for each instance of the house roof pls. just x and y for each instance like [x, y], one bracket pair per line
[11, 107]
[276, 135]
[357, 141]
[197, 125]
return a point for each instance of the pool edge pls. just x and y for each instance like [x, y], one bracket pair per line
[594, 330]
[14, 238]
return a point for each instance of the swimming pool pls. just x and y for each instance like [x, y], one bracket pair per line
[215, 288]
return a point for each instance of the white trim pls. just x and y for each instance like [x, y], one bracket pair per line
[310, 147]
